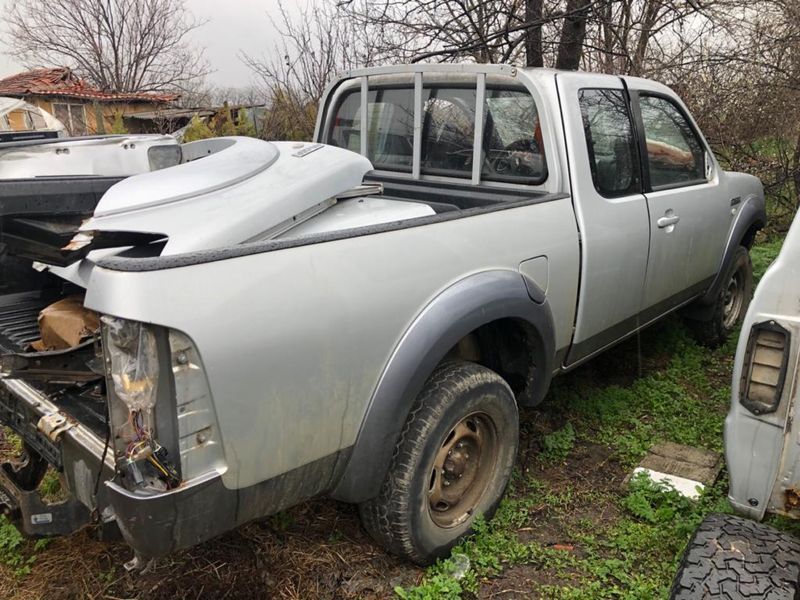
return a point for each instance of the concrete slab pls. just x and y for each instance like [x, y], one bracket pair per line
[685, 468]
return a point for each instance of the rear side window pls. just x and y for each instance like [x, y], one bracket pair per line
[613, 157]
[512, 139]
[675, 155]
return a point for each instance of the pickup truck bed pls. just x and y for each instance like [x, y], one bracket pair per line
[18, 329]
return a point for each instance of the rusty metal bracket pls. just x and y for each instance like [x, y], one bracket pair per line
[54, 424]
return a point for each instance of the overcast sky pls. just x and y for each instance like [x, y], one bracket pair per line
[233, 25]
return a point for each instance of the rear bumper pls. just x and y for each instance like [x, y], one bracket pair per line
[34, 516]
[158, 524]
[153, 525]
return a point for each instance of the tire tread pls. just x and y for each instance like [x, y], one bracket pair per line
[732, 558]
[385, 517]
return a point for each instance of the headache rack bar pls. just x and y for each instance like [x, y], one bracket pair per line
[479, 70]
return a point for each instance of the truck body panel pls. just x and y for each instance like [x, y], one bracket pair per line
[761, 447]
[328, 365]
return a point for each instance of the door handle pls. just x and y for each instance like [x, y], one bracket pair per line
[667, 221]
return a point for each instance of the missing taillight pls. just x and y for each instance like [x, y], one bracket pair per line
[764, 368]
[131, 349]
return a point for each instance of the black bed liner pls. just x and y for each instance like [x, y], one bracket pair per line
[19, 326]
[19, 321]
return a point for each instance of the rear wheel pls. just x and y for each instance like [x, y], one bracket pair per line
[452, 463]
[733, 558]
[730, 304]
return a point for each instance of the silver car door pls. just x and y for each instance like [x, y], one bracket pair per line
[690, 213]
[611, 210]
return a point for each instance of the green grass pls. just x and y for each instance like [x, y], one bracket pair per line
[681, 395]
[557, 445]
[763, 254]
[15, 552]
[14, 442]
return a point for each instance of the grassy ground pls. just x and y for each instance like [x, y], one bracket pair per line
[570, 527]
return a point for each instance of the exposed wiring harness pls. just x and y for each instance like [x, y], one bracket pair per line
[144, 447]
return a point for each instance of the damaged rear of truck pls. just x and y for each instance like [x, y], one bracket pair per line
[197, 335]
[269, 311]
[82, 390]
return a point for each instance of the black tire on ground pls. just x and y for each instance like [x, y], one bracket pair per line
[452, 463]
[731, 303]
[732, 558]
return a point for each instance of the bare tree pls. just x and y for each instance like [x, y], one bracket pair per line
[744, 90]
[316, 45]
[534, 32]
[573, 34]
[534, 13]
[449, 30]
[121, 45]
[648, 37]
[205, 95]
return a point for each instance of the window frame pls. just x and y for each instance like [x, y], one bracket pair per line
[496, 178]
[708, 164]
[636, 146]
[416, 172]
[69, 125]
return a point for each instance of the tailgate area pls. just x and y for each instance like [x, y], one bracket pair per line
[57, 405]
[71, 379]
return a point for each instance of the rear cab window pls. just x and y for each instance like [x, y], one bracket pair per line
[512, 150]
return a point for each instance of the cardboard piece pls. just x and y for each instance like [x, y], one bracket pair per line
[65, 324]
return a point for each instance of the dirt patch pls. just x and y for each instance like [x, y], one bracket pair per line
[316, 550]
[519, 582]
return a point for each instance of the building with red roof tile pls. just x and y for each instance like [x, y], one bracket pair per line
[83, 108]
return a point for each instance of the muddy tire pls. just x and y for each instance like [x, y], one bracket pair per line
[731, 303]
[451, 464]
[732, 558]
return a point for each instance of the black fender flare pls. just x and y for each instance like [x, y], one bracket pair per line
[457, 311]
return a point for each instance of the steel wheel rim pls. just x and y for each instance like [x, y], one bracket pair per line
[733, 297]
[462, 469]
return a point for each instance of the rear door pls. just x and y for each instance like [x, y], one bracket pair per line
[690, 213]
[611, 209]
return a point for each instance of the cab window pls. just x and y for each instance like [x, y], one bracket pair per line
[512, 139]
[675, 155]
[448, 132]
[608, 128]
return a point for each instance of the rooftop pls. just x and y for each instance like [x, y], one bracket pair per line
[61, 81]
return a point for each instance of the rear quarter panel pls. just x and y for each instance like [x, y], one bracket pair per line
[294, 341]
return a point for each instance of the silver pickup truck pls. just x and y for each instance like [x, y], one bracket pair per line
[360, 316]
